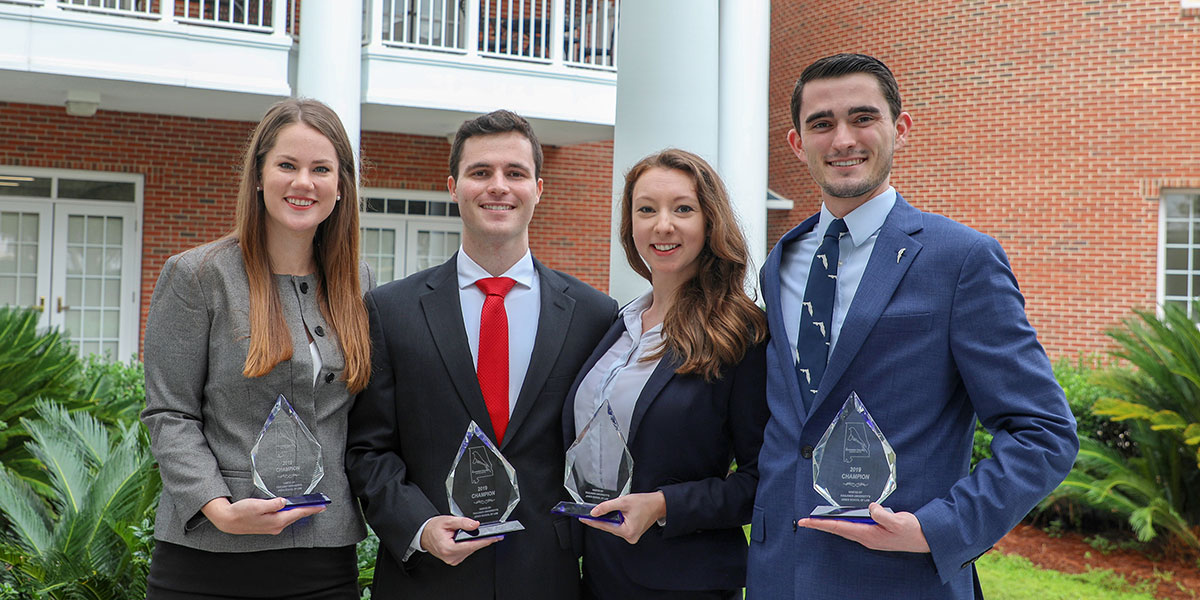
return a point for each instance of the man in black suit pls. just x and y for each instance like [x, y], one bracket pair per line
[406, 427]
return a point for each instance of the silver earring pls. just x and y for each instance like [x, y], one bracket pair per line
[259, 188]
[338, 198]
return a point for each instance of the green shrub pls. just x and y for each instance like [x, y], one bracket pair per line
[1154, 483]
[87, 538]
[116, 391]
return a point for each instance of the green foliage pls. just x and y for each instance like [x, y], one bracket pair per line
[87, 538]
[1154, 484]
[33, 365]
[1011, 577]
[367, 550]
[116, 391]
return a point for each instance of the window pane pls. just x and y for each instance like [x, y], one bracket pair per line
[121, 191]
[1177, 258]
[416, 207]
[20, 185]
[1178, 205]
[1177, 232]
[1176, 285]
[374, 205]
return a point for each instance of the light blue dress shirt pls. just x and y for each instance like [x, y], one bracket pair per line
[855, 249]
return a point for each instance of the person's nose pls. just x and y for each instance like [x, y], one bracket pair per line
[843, 137]
[303, 180]
[664, 224]
[498, 184]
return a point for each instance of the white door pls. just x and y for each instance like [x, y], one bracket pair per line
[92, 280]
[25, 227]
[430, 243]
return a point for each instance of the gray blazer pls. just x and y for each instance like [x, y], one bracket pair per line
[204, 415]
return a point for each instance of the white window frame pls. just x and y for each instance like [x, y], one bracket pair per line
[1160, 297]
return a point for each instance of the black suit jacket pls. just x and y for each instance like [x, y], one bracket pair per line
[406, 427]
[683, 434]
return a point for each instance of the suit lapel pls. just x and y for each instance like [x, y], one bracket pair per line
[443, 315]
[555, 318]
[885, 268]
[663, 372]
[772, 287]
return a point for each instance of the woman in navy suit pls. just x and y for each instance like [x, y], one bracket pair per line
[683, 370]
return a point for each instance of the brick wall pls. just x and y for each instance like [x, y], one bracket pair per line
[1049, 125]
[191, 172]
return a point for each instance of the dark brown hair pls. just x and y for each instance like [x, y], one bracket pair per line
[499, 121]
[712, 322]
[840, 65]
[335, 249]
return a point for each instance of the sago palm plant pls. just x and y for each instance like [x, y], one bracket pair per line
[81, 541]
[1158, 488]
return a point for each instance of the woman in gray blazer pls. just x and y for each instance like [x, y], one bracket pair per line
[272, 309]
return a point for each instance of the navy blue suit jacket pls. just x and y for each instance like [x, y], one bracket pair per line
[935, 336]
[683, 434]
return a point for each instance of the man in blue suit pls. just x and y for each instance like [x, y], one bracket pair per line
[928, 327]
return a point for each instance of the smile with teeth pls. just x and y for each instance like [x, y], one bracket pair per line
[298, 201]
[497, 207]
[848, 162]
[665, 247]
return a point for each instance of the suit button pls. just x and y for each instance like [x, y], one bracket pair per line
[806, 451]
[329, 378]
[321, 332]
[303, 287]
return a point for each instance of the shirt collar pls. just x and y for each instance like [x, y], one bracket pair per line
[865, 220]
[632, 314]
[469, 271]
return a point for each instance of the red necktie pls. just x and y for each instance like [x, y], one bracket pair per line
[492, 368]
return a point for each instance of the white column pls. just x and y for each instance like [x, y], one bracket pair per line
[745, 72]
[666, 97]
[329, 61]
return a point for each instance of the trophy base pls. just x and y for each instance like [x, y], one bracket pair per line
[317, 499]
[583, 510]
[487, 530]
[842, 513]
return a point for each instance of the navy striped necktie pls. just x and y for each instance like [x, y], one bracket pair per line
[816, 314]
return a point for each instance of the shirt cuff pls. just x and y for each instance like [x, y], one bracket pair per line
[415, 545]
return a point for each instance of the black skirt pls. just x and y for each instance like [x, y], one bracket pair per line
[182, 573]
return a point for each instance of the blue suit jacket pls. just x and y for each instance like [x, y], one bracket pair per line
[935, 335]
[683, 434]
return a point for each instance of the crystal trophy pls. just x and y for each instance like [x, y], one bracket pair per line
[286, 458]
[853, 465]
[599, 467]
[482, 485]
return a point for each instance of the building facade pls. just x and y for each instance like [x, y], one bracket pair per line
[1067, 130]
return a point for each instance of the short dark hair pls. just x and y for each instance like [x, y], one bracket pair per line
[498, 121]
[840, 65]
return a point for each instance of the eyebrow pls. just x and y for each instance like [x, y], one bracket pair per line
[294, 159]
[828, 114]
[485, 165]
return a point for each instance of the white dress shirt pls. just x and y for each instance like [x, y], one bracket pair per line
[522, 305]
[854, 251]
[620, 374]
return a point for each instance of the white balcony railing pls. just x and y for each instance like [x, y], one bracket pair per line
[507, 29]
[259, 16]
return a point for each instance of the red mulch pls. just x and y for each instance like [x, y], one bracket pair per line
[1070, 554]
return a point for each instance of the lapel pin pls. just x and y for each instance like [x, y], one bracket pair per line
[900, 255]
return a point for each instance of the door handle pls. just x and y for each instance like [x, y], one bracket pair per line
[61, 306]
[41, 305]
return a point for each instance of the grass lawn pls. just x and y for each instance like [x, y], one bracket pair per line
[1013, 577]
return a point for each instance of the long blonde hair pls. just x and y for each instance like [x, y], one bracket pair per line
[712, 322]
[335, 250]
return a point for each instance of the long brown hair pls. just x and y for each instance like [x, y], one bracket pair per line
[335, 250]
[712, 322]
